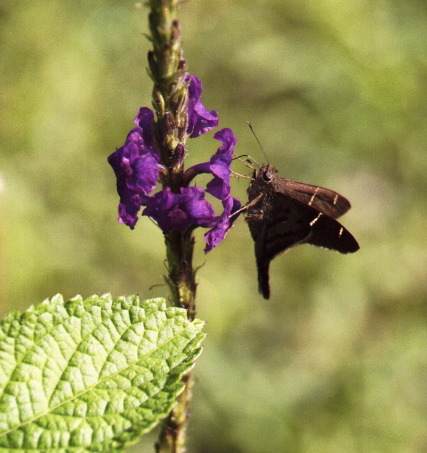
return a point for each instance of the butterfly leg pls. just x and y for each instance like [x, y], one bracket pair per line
[247, 206]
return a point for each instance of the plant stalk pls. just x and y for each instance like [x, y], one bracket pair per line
[167, 69]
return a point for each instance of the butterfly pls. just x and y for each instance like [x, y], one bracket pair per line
[282, 213]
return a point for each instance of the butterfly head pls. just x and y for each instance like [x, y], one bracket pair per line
[266, 173]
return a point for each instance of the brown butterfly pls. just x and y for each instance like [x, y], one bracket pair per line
[282, 213]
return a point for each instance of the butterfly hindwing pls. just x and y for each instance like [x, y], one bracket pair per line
[328, 233]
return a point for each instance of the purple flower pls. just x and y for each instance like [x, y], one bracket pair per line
[179, 211]
[136, 165]
[214, 236]
[219, 165]
[189, 209]
[219, 186]
[200, 120]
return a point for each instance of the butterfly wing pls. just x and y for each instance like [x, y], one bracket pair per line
[328, 233]
[324, 200]
[324, 231]
[292, 223]
[274, 234]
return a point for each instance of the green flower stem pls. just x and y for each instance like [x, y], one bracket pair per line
[181, 278]
[168, 70]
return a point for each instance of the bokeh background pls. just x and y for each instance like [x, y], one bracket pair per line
[336, 360]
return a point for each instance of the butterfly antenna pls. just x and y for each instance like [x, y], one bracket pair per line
[259, 143]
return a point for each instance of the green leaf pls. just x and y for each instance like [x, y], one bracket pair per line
[91, 375]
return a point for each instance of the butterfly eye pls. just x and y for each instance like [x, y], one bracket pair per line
[267, 176]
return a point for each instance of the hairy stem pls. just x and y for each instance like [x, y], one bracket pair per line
[181, 278]
[168, 71]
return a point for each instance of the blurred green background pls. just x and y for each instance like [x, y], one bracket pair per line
[336, 360]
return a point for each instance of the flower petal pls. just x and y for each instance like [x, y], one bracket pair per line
[129, 206]
[218, 165]
[214, 236]
[200, 120]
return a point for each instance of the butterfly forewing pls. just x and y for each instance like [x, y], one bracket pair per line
[324, 200]
[283, 213]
